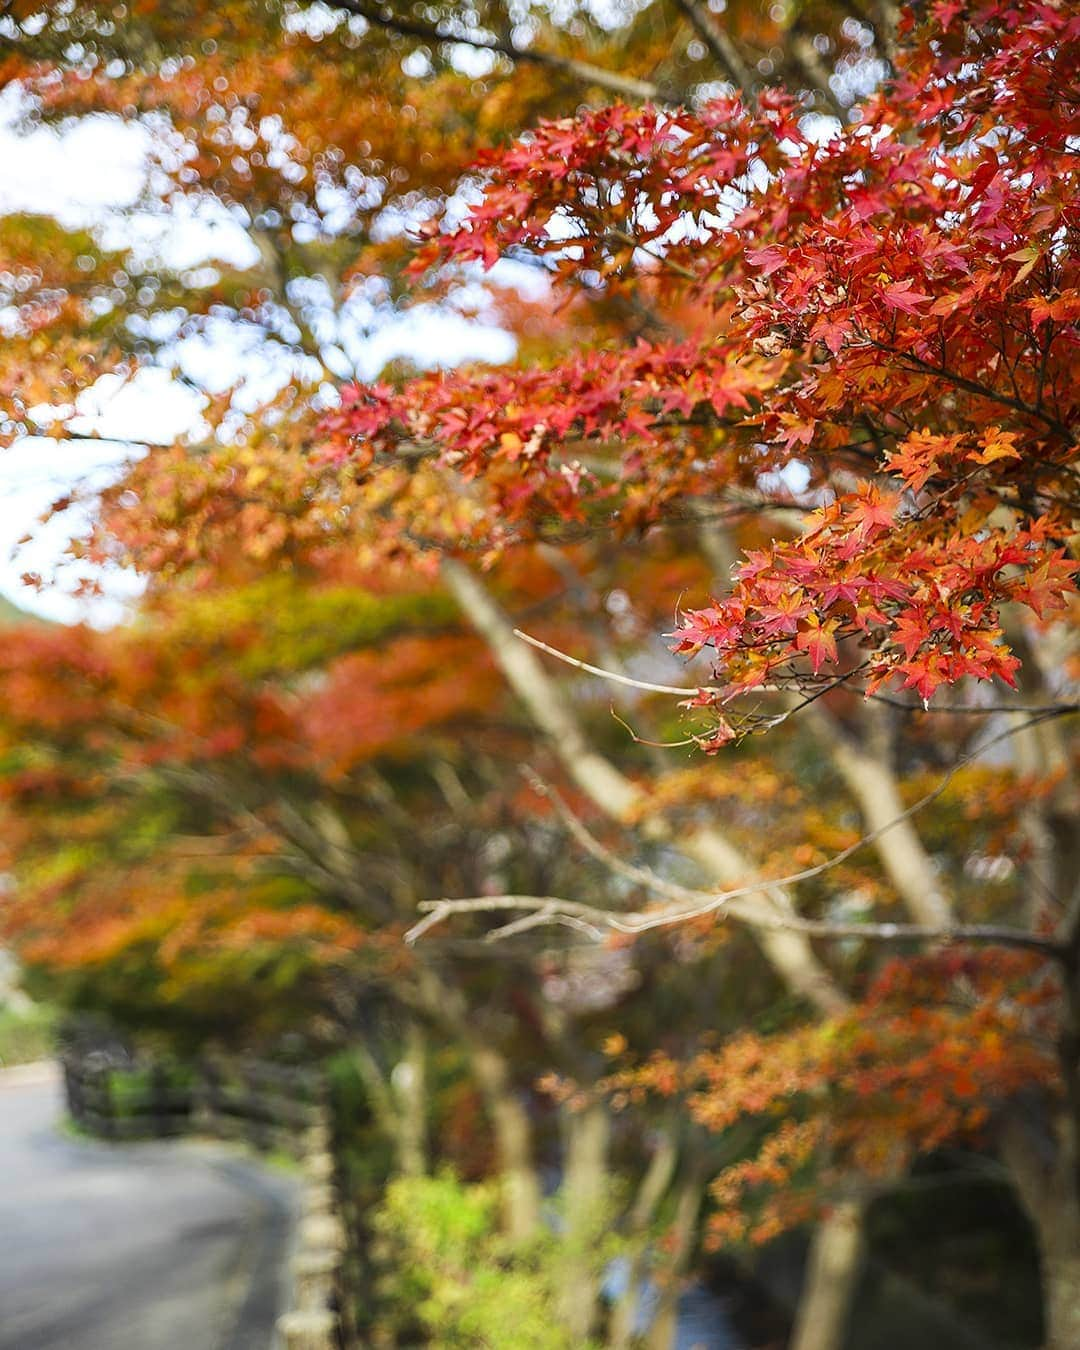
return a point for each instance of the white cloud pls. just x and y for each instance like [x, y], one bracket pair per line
[93, 165]
[34, 473]
[93, 173]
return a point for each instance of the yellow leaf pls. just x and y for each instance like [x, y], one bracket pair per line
[1029, 257]
[511, 443]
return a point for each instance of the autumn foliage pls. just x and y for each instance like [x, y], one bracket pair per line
[894, 307]
[905, 1072]
[785, 468]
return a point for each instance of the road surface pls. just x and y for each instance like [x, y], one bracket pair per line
[155, 1246]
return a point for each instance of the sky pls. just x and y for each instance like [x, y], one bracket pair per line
[92, 175]
[100, 168]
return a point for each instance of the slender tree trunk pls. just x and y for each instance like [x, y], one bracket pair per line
[585, 1197]
[832, 1275]
[1044, 1169]
[654, 1185]
[380, 1098]
[867, 769]
[409, 1082]
[665, 1324]
[790, 953]
[1050, 820]
[1056, 1217]
[1040, 1147]
[513, 1140]
[509, 1118]
[1061, 1290]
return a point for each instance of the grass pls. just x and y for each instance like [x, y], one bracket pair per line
[27, 1036]
[278, 1160]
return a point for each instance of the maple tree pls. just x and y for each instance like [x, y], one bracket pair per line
[815, 376]
[896, 309]
[213, 838]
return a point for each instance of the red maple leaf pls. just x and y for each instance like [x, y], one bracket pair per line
[817, 640]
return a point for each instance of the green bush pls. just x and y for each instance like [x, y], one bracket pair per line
[451, 1280]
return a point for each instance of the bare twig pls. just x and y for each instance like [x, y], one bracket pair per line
[688, 903]
[1063, 709]
[581, 72]
[624, 237]
[541, 918]
[643, 876]
[612, 675]
[720, 45]
[1044, 710]
[544, 909]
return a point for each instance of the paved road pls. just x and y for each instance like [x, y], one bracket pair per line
[156, 1246]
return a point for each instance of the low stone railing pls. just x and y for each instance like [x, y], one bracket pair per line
[268, 1106]
[319, 1316]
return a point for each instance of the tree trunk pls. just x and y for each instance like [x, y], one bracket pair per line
[585, 1198]
[832, 1275]
[1044, 1171]
[380, 1098]
[509, 1118]
[653, 1187]
[1061, 1296]
[513, 1139]
[1042, 1148]
[665, 1324]
[790, 953]
[409, 1082]
[867, 769]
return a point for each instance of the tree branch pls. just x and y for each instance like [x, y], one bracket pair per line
[807, 61]
[959, 381]
[974, 709]
[689, 903]
[555, 909]
[581, 72]
[612, 675]
[720, 45]
[620, 798]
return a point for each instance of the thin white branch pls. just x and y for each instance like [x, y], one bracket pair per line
[688, 904]
[612, 675]
[618, 797]
[544, 909]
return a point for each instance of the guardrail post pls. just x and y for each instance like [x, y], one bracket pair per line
[160, 1122]
[307, 1329]
[315, 1275]
[103, 1091]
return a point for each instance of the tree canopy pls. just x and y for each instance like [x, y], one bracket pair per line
[759, 556]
